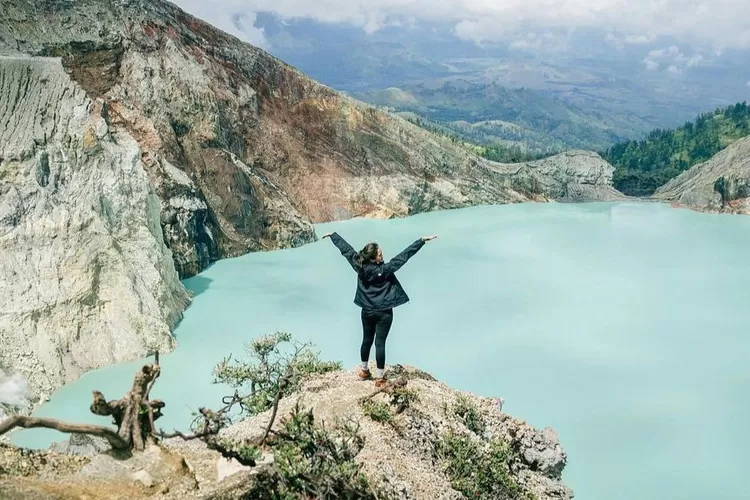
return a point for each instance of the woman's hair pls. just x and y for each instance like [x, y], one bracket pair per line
[367, 254]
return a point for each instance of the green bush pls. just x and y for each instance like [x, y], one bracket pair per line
[402, 398]
[478, 470]
[313, 462]
[378, 411]
[270, 370]
[466, 410]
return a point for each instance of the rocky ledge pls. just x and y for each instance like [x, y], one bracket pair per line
[398, 454]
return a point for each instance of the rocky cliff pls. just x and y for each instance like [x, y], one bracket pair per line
[721, 184]
[397, 456]
[85, 276]
[140, 144]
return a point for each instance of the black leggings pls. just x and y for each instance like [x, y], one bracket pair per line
[375, 326]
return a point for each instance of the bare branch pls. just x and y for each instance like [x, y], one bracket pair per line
[282, 384]
[50, 423]
[156, 371]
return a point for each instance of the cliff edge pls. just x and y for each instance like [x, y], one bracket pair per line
[444, 445]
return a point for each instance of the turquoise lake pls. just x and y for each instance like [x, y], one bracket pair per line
[622, 326]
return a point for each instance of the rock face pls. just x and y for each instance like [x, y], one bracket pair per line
[397, 456]
[721, 184]
[140, 144]
[85, 277]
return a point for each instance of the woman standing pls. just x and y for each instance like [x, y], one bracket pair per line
[378, 292]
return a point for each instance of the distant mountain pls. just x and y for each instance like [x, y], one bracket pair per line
[589, 92]
[643, 166]
[491, 114]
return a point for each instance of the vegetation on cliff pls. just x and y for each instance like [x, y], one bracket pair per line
[643, 166]
[303, 428]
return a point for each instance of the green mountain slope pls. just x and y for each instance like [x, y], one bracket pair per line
[643, 166]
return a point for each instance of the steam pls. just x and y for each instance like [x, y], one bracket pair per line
[14, 393]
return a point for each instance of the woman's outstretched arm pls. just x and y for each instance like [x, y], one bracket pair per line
[345, 248]
[399, 260]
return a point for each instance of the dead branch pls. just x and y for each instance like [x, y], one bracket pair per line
[149, 408]
[133, 414]
[229, 453]
[209, 418]
[50, 423]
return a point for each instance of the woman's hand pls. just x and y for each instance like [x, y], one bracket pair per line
[327, 235]
[428, 238]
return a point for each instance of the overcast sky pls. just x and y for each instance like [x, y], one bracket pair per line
[715, 24]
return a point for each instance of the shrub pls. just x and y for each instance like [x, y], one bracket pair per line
[479, 470]
[402, 398]
[378, 411]
[466, 410]
[313, 462]
[271, 370]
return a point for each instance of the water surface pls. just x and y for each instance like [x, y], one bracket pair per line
[622, 326]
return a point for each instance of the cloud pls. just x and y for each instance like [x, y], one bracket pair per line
[640, 39]
[236, 17]
[747, 84]
[652, 65]
[719, 23]
[622, 40]
[538, 42]
[671, 58]
[13, 392]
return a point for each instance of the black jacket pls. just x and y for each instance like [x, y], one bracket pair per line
[377, 285]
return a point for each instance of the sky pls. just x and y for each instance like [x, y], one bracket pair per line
[714, 25]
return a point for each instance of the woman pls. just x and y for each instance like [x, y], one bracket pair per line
[378, 292]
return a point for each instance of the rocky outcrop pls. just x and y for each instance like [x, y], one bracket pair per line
[133, 134]
[86, 279]
[722, 184]
[397, 456]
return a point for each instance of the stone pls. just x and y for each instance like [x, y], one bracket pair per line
[226, 467]
[542, 451]
[81, 445]
[144, 478]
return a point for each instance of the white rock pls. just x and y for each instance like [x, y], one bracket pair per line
[144, 478]
[85, 277]
[226, 467]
